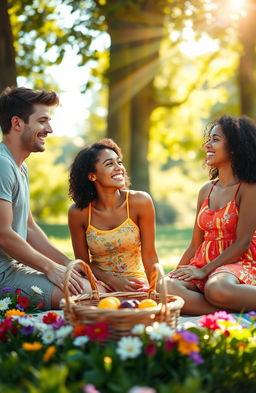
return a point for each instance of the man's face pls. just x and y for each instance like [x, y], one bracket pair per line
[37, 129]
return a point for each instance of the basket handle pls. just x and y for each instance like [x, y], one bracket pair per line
[156, 272]
[88, 272]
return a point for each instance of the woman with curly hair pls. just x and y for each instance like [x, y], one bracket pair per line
[218, 270]
[112, 228]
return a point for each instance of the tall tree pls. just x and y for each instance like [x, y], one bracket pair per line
[28, 31]
[7, 53]
[247, 63]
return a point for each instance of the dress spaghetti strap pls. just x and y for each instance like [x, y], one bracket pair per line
[238, 187]
[127, 204]
[213, 184]
[89, 213]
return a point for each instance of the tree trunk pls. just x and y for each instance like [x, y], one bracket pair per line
[246, 72]
[141, 110]
[119, 105]
[7, 53]
[134, 56]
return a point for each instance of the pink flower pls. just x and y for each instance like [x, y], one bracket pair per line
[89, 388]
[224, 316]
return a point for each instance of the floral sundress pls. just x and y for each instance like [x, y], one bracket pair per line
[117, 250]
[219, 228]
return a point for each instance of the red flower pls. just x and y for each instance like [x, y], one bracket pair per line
[5, 325]
[50, 318]
[97, 331]
[79, 330]
[23, 301]
[169, 344]
[18, 291]
[40, 305]
[209, 321]
[150, 349]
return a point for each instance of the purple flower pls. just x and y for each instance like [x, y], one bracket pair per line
[26, 330]
[58, 323]
[19, 307]
[6, 289]
[252, 314]
[189, 336]
[196, 357]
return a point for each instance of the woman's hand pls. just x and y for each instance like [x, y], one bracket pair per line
[188, 273]
[127, 284]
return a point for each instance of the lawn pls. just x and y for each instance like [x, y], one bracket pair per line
[171, 241]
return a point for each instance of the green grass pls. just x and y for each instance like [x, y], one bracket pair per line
[171, 241]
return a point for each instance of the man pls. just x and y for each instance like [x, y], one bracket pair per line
[27, 258]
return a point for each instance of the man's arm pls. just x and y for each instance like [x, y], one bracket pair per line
[40, 242]
[20, 250]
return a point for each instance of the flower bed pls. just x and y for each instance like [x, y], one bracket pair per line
[49, 356]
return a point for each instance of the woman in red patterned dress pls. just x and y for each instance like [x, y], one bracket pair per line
[218, 270]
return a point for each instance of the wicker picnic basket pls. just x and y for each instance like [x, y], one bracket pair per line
[82, 309]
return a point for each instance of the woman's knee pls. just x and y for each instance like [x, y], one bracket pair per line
[174, 286]
[218, 291]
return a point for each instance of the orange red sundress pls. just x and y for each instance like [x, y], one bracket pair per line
[117, 250]
[219, 228]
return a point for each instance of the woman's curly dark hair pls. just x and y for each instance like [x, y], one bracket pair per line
[240, 134]
[81, 189]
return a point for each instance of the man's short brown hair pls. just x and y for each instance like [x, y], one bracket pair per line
[19, 101]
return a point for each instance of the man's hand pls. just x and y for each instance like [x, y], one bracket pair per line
[188, 273]
[57, 274]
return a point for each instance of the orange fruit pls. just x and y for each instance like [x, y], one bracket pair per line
[147, 303]
[115, 299]
[108, 303]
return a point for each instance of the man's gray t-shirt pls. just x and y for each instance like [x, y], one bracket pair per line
[14, 189]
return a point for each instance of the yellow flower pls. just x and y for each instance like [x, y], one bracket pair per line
[185, 347]
[50, 351]
[35, 346]
[10, 313]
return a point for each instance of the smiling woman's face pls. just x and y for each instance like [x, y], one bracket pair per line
[216, 150]
[109, 170]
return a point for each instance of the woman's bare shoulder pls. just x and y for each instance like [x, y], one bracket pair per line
[78, 214]
[204, 192]
[139, 197]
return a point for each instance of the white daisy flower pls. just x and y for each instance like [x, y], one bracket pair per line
[129, 347]
[186, 325]
[48, 336]
[4, 303]
[138, 329]
[62, 333]
[26, 321]
[37, 290]
[159, 331]
[41, 327]
[80, 341]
